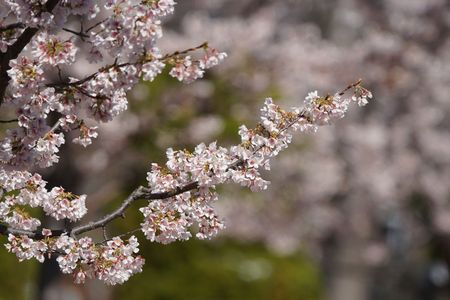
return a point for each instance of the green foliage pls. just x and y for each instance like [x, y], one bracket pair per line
[18, 278]
[221, 269]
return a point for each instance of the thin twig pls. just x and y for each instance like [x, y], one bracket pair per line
[120, 235]
[350, 86]
[8, 121]
[115, 65]
[54, 128]
[176, 53]
[95, 25]
[104, 233]
[80, 34]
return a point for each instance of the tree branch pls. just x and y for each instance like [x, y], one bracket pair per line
[115, 65]
[81, 34]
[138, 194]
[5, 230]
[14, 50]
[8, 121]
[12, 26]
[141, 193]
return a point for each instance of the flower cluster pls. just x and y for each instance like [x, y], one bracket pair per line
[51, 50]
[30, 190]
[30, 12]
[129, 33]
[41, 85]
[49, 14]
[188, 70]
[86, 135]
[26, 74]
[26, 248]
[170, 219]
[65, 205]
[113, 262]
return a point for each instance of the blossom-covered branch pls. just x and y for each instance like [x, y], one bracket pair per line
[179, 202]
[141, 193]
[13, 50]
[181, 193]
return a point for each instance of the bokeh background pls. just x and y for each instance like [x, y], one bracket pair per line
[357, 211]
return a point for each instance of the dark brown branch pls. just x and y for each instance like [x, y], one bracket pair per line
[12, 26]
[80, 33]
[5, 230]
[96, 24]
[81, 81]
[8, 121]
[14, 50]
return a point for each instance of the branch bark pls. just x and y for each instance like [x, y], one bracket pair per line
[14, 50]
[5, 230]
[12, 26]
[138, 194]
[141, 193]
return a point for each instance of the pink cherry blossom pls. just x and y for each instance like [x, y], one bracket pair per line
[39, 56]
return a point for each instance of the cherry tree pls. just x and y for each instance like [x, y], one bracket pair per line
[39, 44]
[383, 172]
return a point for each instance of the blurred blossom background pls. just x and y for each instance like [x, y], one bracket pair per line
[359, 210]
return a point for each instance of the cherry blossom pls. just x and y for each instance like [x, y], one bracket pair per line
[181, 194]
[51, 50]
